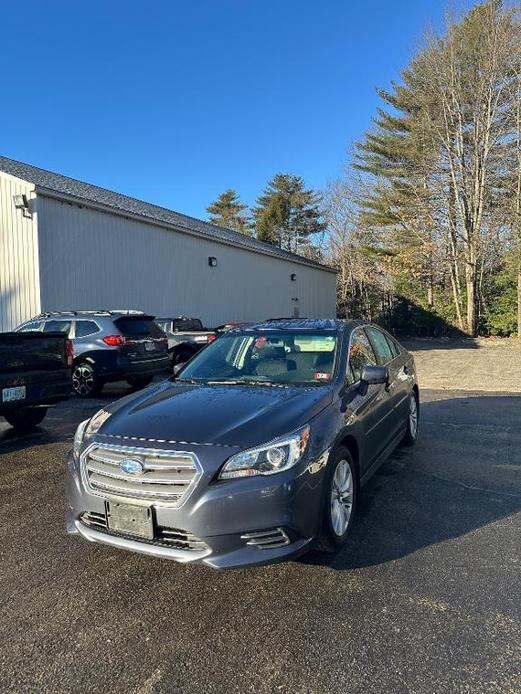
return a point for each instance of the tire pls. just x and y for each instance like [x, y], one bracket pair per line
[139, 382]
[338, 508]
[26, 418]
[413, 421]
[85, 381]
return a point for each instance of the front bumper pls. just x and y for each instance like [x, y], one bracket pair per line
[243, 522]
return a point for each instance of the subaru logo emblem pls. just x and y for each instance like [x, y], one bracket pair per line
[132, 466]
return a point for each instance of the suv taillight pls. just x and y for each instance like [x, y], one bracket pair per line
[114, 340]
[211, 338]
[165, 342]
[69, 352]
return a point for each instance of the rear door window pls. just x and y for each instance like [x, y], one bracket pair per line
[138, 327]
[393, 345]
[86, 327]
[32, 326]
[57, 326]
[381, 346]
[360, 354]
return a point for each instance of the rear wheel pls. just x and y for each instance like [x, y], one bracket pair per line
[138, 382]
[340, 500]
[85, 381]
[26, 418]
[413, 420]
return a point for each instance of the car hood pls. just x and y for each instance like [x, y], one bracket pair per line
[227, 415]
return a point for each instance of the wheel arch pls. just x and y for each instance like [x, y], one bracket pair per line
[82, 358]
[349, 441]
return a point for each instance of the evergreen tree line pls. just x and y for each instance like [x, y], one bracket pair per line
[425, 227]
[287, 215]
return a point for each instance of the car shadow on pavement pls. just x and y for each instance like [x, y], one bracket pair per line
[462, 475]
[418, 344]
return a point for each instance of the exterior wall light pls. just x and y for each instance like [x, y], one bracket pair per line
[22, 203]
[293, 277]
[212, 262]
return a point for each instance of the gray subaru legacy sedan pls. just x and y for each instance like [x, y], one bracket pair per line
[254, 452]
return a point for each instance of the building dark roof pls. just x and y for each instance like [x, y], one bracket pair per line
[49, 182]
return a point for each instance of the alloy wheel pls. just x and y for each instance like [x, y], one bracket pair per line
[342, 497]
[83, 379]
[413, 416]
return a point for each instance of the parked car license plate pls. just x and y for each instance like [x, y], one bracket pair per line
[12, 394]
[131, 520]
[150, 346]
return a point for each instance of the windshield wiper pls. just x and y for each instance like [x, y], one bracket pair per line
[223, 383]
[246, 382]
[186, 380]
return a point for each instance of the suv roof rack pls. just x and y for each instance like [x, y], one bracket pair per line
[99, 312]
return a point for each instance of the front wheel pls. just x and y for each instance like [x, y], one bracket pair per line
[26, 418]
[340, 500]
[413, 420]
[85, 381]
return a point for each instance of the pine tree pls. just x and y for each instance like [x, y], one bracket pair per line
[287, 215]
[440, 155]
[228, 211]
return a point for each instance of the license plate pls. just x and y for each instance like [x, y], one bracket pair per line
[12, 394]
[150, 346]
[131, 520]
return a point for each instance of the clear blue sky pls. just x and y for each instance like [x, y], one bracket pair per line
[173, 101]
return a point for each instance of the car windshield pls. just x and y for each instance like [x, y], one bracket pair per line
[266, 358]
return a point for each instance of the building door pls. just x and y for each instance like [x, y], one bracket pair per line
[296, 307]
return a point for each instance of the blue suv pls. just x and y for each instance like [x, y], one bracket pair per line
[108, 346]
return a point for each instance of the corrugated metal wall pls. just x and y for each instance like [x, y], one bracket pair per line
[19, 282]
[92, 259]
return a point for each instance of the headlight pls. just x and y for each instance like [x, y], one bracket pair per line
[276, 456]
[87, 428]
[96, 421]
[78, 438]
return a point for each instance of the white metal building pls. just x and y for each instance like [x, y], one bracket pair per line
[65, 245]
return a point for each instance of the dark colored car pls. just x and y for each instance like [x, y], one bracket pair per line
[35, 373]
[108, 346]
[255, 453]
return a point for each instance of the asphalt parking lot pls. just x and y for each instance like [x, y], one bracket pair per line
[425, 597]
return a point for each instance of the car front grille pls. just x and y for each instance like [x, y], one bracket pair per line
[267, 539]
[166, 478]
[165, 537]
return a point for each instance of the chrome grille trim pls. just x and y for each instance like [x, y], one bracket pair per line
[267, 539]
[168, 478]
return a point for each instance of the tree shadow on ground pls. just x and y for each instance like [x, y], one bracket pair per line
[442, 489]
[410, 321]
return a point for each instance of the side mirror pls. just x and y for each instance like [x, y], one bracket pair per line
[178, 367]
[375, 375]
